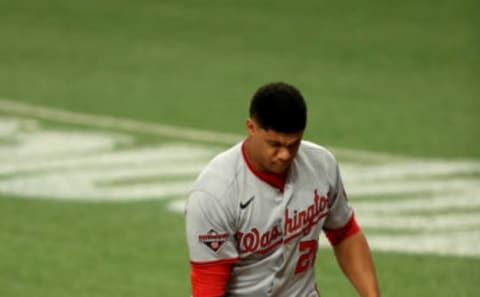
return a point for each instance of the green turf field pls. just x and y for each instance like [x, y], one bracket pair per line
[397, 80]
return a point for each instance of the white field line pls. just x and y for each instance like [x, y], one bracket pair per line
[119, 124]
[57, 187]
[9, 127]
[97, 185]
[109, 122]
[24, 147]
[94, 177]
[461, 200]
[432, 223]
[464, 243]
[163, 155]
[410, 170]
[60, 164]
[108, 174]
[413, 186]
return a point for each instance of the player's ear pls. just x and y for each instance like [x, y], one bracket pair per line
[251, 126]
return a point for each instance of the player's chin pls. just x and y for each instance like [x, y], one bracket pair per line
[280, 168]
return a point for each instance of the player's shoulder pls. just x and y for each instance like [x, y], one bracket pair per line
[220, 173]
[317, 161]
[314, 152]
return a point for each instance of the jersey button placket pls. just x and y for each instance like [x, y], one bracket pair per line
[286, 197]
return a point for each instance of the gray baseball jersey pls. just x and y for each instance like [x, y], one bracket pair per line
[271, 236]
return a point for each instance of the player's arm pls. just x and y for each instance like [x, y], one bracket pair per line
[209, 280]
[211, 245]
[349, 243]
[354, 257]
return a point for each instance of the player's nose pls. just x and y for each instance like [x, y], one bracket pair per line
[284, 154]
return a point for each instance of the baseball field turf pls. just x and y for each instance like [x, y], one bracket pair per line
[109, 109]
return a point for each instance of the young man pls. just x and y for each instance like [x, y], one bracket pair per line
[255, 213]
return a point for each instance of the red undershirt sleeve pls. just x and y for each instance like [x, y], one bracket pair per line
[209, 280]
[335, 236]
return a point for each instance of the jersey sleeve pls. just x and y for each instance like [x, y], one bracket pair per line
[209, 229]
[340, 210]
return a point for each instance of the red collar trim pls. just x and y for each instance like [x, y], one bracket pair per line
[275, 180]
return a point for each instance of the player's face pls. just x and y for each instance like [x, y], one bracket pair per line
[271, 151]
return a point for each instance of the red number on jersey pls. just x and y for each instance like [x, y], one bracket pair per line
[308, 250]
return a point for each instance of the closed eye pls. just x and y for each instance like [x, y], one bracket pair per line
[274, 144]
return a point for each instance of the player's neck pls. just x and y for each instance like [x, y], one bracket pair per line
[275, 180]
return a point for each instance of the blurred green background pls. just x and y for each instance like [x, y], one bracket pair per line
[398, 77]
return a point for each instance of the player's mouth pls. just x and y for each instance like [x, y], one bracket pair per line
[280, 166]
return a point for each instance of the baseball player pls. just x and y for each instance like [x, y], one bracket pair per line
[255, 213]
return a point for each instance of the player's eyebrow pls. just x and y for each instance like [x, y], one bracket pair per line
[284, 143]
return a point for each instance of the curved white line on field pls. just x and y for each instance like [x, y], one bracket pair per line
[149, 128]
[405, 204]
[109, 122]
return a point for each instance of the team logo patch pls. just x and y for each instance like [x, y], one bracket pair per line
[213, 239]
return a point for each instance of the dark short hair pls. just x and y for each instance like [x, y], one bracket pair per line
[280, 107]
